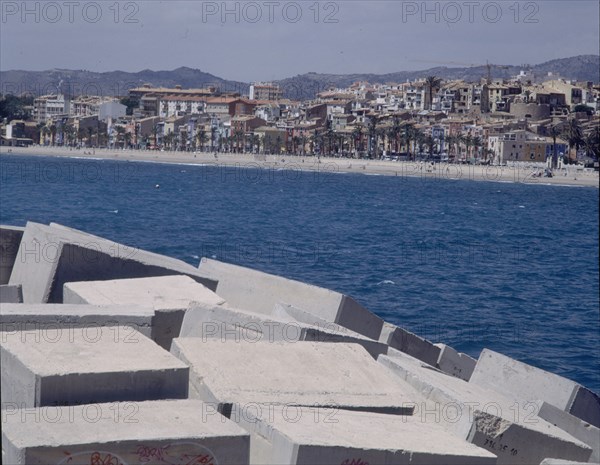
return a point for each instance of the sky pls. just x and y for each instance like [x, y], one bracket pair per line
[269, 40]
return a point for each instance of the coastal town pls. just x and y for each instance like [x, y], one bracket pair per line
[540, 120]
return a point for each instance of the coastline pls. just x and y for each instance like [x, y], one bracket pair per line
[572, 176]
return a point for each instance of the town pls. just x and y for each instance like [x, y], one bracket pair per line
[545, 120]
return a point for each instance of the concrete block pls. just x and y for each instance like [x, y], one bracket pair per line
[484, 417]
[455, 363]
[152, 432]
[168, 296]
[11, 294]
[50, 256]
[304, 373]
[225, 323]
[87, 366]
[10, 238]
[58, 318]
[524, 382]
[307, 436]
[577, 428]
[259, 292]
[409, 343]
[564, 462]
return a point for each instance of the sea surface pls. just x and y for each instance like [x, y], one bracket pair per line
[510, 267]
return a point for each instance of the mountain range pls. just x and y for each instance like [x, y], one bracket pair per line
[82, 82]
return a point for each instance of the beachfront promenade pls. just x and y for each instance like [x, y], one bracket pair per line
[528, 173]
[114, 357]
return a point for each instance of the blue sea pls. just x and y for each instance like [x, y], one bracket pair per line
[510, 267]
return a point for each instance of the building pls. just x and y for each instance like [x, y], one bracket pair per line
[524, 146]
[265, 91]
[48, 107]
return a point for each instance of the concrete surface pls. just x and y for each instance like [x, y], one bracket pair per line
[307, 436]
[577, 428]
[11, 294]
[56, 318]
[484, 417]
[166, 431]
[302, 373]
[88, 365]
[259, 292]
[409, 343]
[226, 323]
[455, 363]
[10, 239]
[168, 296]
[564, 462]
[524, 382]
[50, 256]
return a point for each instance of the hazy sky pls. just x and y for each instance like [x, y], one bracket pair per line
[267, 40]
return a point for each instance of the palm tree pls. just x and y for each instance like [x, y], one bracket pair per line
[554, 131]
[449, 141]
[433, 82]
[357, 134]
[468, 141]
[120, 132]
[373, 121]
[573, 133]
[592, 144]
[477, 144]
[154, 132]
[53, 130]
[201, 137]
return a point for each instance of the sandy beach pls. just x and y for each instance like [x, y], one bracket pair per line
[524, 173]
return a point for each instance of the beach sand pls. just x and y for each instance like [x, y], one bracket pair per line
[525, 173]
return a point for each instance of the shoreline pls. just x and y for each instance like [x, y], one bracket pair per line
[572, 176]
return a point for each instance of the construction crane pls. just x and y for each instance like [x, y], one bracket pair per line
[488, 65]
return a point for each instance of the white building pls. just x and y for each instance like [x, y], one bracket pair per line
[48, 107]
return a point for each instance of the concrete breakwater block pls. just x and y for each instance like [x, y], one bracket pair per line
[524, 382]
[259, 292]
[455, 363]
[58, 318]
[165, 431]
[11, 294]
[168, 296]
[50, 256]
[10, 239]
[484, 417]
[225, 323]
[302, 373]
[409, 343]
[307, 436]
[577, 428]
[89, 365]
[565, 462]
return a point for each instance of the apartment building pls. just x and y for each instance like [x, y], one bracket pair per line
[48, 107]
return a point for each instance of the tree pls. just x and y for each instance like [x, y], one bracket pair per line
[373, 122]
[130, 103]
[573, 133]
[592, 144]
[433, 82]
[583, 109]
[13, 107]
[554, 131]
[201, 137]
[357, 134]
[477, 144]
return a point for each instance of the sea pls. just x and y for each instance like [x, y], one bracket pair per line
[512, 267]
